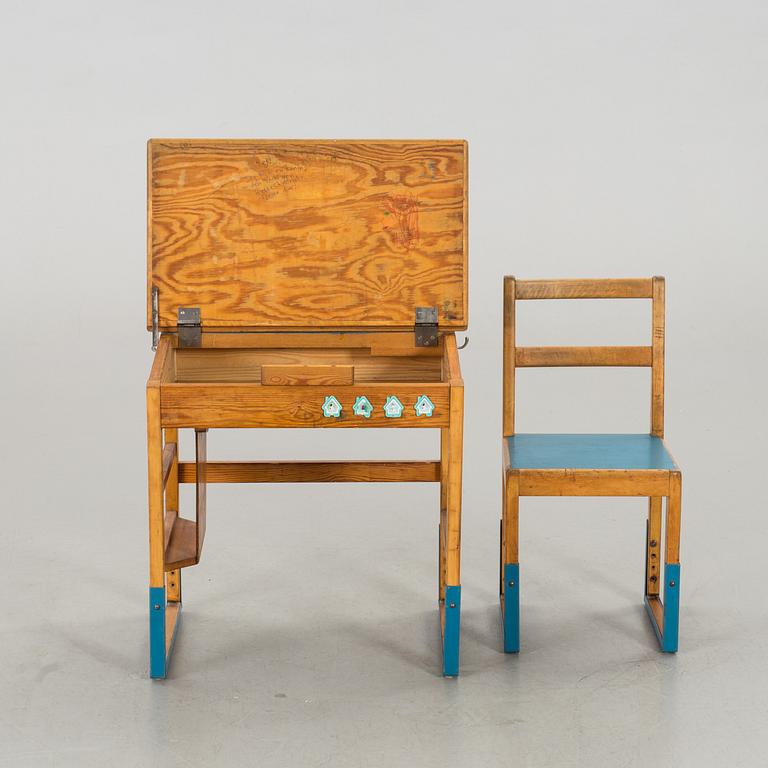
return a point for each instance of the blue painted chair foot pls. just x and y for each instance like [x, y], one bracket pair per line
[665, 617]
[450, 611]
[510, 607]
[164, 620]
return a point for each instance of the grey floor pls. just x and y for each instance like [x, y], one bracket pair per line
[310, 637]
[606, 140]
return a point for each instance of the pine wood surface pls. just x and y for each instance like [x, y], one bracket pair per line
[542, 357]
[376, 342]
[252, 405]
[301, 234]
[277, 375]
[314, 472]
[625, 288]
[246, 365]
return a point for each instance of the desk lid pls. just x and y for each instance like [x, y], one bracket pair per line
[307, 235]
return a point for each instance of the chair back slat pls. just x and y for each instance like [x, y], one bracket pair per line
[585, 289]
[614, 356]
[544, 357]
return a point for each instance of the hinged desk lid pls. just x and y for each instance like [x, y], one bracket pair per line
[307, 234]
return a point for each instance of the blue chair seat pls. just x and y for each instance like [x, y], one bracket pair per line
[543, 451]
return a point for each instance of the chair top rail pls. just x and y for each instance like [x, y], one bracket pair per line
[628, 288]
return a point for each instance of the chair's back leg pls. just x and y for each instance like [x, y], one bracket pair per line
[653, 547]
[672, 566]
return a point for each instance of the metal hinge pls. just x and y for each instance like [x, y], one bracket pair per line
[425, 327]
[190, 327]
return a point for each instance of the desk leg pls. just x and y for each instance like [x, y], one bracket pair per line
[442, 528]
[173, 578]
[451, 605]
[157, 665]
[163, 616]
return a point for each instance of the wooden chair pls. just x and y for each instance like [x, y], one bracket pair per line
[594, 464]
[302, 284]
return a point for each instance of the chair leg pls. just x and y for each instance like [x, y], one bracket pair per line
[450, 608]
[672, 566]
[441, 531]
[510, 582]
[665, 616]
[653, 547]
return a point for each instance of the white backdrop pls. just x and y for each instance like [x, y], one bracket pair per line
[606, 139]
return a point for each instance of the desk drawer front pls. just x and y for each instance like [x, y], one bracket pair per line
[249, 405]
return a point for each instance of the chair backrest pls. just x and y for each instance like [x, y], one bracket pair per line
[534, 357]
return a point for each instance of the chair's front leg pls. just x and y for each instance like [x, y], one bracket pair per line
[672, 567]
[451, 608]
[510, 583]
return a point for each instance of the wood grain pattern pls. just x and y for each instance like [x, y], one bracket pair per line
[300, 234]
[445, 437]
[672, 542]
[173, 578]
[172, 614]
[455, 464]
[155, 485]
[173, 586]
[451, 368]
[314, 472]
[245, 365]
[251, 405]
[394, 342]
[169, 454]
[657, 345]
[511, 518]
[201, 486]
[163, 362]
[181, 551]
[277, 375]
[594, 482]
[508, 365]
[628, 288]
[653, 547]
[171, 516]
[543, 357]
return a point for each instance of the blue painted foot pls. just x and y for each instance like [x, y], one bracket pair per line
[511, 607]
[157, 660]
[164, 618]
[452, 609]
[671, 607]
[667, 635]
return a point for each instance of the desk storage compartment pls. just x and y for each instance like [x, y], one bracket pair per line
[301, 284]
